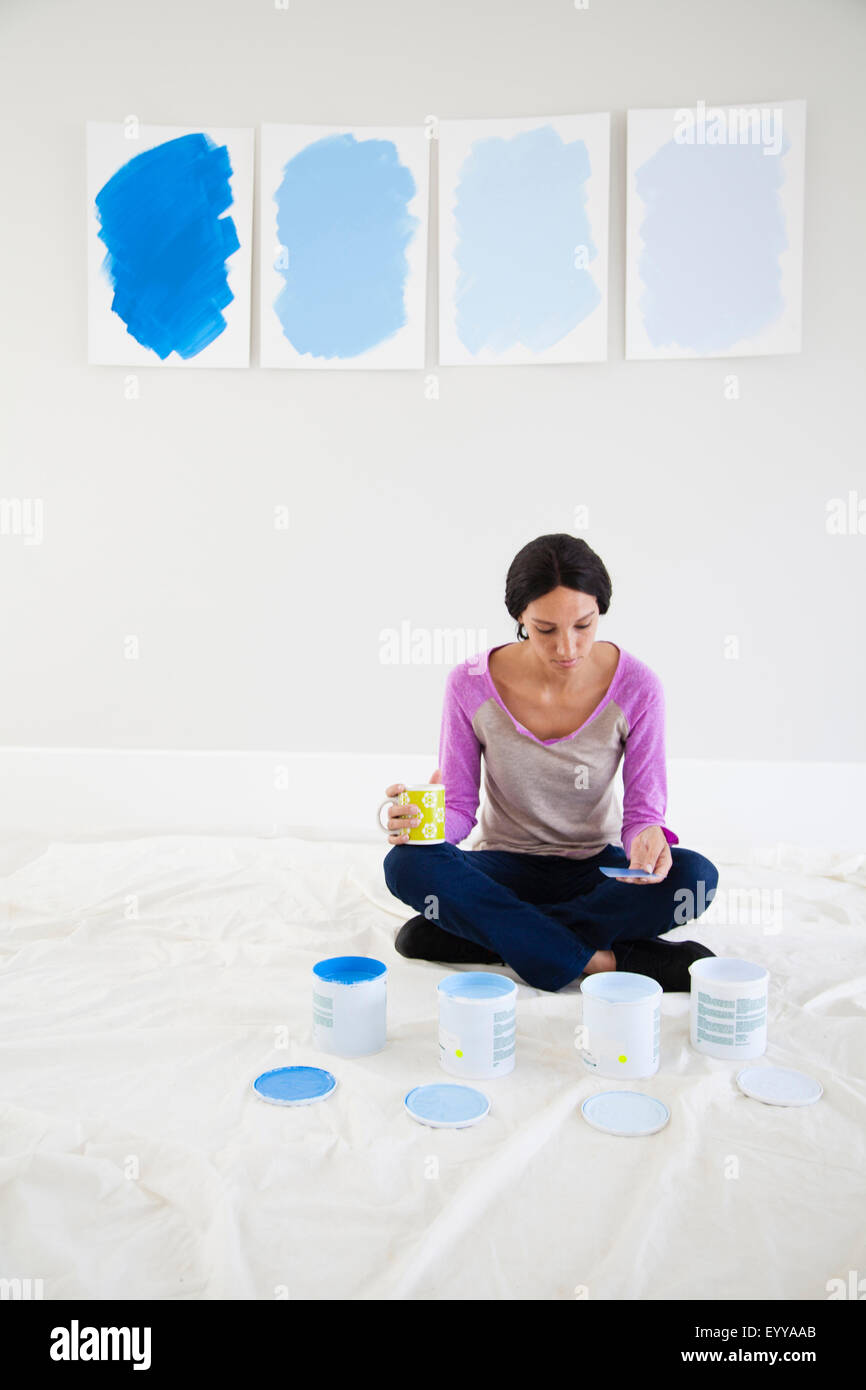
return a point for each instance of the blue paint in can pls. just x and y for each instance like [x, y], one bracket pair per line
[349, 970]
[350, 1006]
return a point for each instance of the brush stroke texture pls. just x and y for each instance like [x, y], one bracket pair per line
[520, 214]
[342, 215]
[712, 232]
[168, 245]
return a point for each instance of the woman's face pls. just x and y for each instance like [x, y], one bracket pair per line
[561, 627]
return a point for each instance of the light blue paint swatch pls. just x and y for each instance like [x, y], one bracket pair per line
[342, 215]
[446, 1106]
[712, 233]
[168, 245]
[520, 214]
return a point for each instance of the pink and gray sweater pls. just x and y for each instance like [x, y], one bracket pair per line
[554, 795]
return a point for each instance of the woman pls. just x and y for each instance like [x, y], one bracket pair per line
[552, 715]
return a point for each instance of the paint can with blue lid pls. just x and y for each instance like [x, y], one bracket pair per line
[622, 1015]
[350, 1005]
[477, 1024]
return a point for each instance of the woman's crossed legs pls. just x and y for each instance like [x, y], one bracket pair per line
[548, 916]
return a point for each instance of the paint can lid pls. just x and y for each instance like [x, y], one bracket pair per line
[446, 1106]
[294, 1085]
[625, 1113]
[779, 1085]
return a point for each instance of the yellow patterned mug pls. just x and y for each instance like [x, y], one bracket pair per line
[429, 797]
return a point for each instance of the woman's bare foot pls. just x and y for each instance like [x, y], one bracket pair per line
[602, 960]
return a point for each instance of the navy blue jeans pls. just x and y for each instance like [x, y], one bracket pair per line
[545, 914]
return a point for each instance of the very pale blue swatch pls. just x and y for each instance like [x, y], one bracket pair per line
[520, 214]
[446, 1104]
[477, 984]
[712, 233]
[342, 215]
[168, 245]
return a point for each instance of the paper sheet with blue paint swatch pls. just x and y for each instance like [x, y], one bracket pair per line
[523, 240]
[714, 241]
[343, 239]
[169, 228]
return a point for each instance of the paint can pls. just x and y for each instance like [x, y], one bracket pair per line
[350, 1006]
[622, 1019]
[477, 1024]
[729, 1007]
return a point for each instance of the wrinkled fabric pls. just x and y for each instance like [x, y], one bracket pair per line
[145, 983]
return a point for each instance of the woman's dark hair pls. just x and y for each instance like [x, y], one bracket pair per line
[547, 563]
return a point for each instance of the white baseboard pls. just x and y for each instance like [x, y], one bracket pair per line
[85, 792]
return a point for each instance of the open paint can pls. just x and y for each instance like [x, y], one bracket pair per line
[729, 1007]
[622, 1019]
[349, 1006]
[477, 1024]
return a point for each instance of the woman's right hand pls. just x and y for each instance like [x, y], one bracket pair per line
[400, 818]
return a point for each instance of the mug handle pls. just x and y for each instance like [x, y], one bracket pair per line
[389, 801]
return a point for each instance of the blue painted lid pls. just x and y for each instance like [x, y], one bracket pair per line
[475, 984]
[349, 970]
[446, 1106]
[294, 1085]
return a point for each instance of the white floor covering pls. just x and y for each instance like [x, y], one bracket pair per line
[144, 984]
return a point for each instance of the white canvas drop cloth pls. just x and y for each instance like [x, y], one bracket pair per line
[145, 983]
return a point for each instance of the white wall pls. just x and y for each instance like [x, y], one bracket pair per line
[709, 513]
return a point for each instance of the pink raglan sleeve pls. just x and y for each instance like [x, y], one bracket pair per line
[459, 760]
[644, 774]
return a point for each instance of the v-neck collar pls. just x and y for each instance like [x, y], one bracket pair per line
[550, 742]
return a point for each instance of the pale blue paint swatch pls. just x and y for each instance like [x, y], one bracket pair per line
[477, 984]
[446, 1105]
[520, 214]
[712, 234]
[342, 215]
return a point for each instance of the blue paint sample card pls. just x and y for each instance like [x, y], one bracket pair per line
[626, 873]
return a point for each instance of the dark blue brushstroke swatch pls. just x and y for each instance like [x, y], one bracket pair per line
[168, 245]
[342, 215]
[712, 232]
[520, 215]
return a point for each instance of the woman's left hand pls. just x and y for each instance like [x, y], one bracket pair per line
[650, 851]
